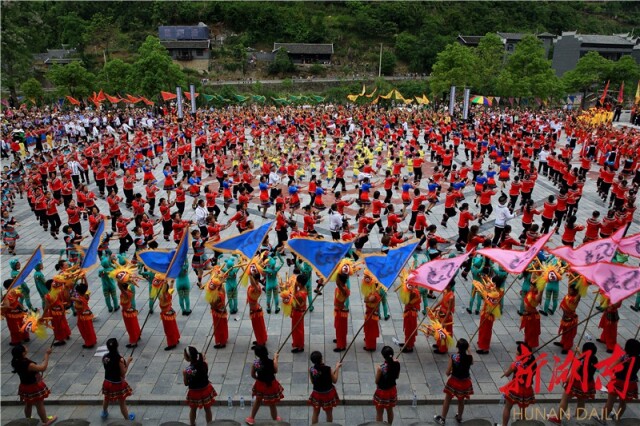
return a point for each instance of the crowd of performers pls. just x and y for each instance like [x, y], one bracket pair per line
[232, 153]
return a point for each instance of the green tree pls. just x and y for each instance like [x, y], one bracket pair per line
[527, 72]
[281, 64]
[406, 46]
[625, 69]
[114, 76]
[491, 55]
[72, 79]
[455, 66]
[592, 69]
[18, 21]
[32, 90]
[388, 63]
[153, 70]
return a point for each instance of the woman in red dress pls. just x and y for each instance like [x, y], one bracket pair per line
[324, 395]
[459, 384]
[445, 309]
[372, 300]
[410, 296]
[54, 308]
[85, 316]
[32, 389]
[266, 389]
[122, 275]
[530, 321]
[254, 291]
[160, 289]
[216, 296]
[297, 315]
[13, 311]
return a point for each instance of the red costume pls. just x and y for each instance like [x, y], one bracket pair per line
[297, 318]
[411, 318]
[61, 330]
[445, 316]
[371, 318]
[569, 322]
[256, 314]
[485, 330]
[220, 318]
[609, 326]
[12, 311]
[85, 320]
[129, 315]
[168, 316]
[341, 315]
[530, 321]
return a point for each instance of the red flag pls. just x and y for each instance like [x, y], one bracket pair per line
[101, 97]
[167, 96]
[514, 261]
[188, 95]
[604, 94]
[74, 101]
[146, 101]
[436, 274]
[621, 94]
[112, 99]
[133, 99]
[593, 252]
[617, 281]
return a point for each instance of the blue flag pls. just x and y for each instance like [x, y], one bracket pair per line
[91, 253]
[387, 267]
[247, 243]
[166, 262]
[322, 255]
[35, 258]
[179, 257]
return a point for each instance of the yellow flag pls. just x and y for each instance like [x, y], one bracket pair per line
[364, 89]
[638, 93]
[375, 101]
[399, 96]
[388, 95]
[353, 98]
[370, 95]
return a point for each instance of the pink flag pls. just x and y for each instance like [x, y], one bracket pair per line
[630, 245]
[436, 274]
[617, 281]
[591, 252]
[514, 261]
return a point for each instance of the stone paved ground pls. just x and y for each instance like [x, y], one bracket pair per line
[75, 374]
[154, 415]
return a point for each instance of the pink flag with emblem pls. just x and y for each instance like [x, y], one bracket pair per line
[591, 252]
[515, 261]
[630, 245]
[617, 281]
[436, 274]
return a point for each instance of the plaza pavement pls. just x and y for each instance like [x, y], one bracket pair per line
[75, 375]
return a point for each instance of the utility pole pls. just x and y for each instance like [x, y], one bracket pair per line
[380, 62]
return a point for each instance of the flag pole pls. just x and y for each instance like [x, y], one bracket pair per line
[153, 302]
[565, 332]
[499, 300]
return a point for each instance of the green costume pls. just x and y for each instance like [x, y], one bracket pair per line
[40, 280]
[149, 276]
[25, 299]
[551, 291]
[499, 279]
[307, 272]
[183, 287]
[231, 283]
[271, 276]
[478, 264]
[108, 284]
